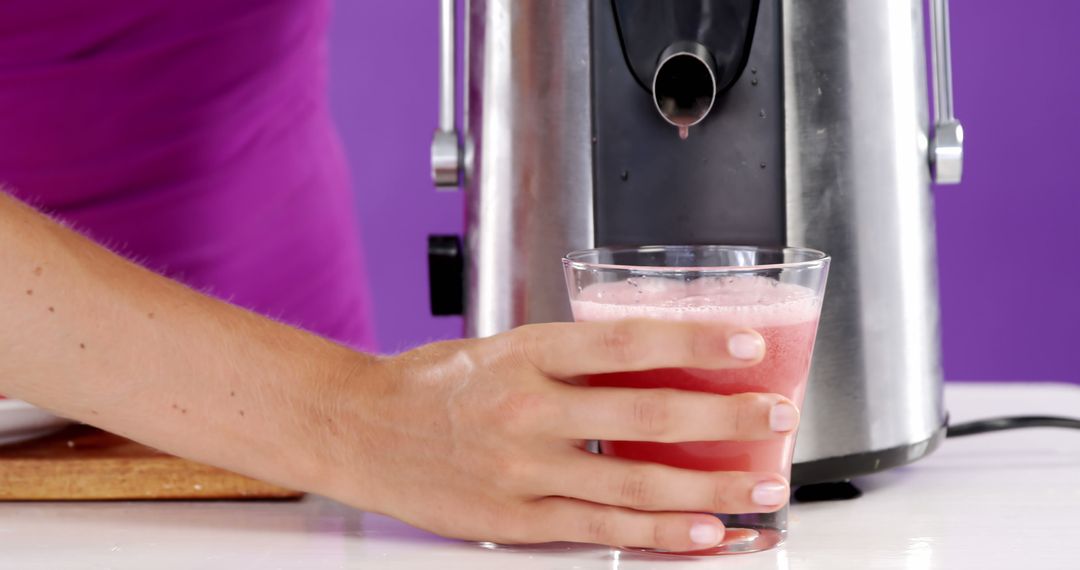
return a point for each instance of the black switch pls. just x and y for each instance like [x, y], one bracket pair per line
[446, 275]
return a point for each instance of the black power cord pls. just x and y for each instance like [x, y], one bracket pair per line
[843, 490]
[1010, 422]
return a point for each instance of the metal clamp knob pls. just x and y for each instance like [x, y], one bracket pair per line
[947, 143]
[446, 146]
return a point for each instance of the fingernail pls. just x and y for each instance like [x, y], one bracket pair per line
[769, 494]
[705, 534]
[783, 417]
[745, 346]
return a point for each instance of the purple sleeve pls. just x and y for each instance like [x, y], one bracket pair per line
[194, 137]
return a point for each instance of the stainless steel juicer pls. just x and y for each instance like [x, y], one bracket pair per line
[806, 123]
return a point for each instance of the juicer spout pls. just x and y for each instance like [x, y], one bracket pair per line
[684, 84]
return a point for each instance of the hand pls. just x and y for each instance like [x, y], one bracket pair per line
[484, 439]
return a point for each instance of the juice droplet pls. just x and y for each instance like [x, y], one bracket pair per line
[684, 132]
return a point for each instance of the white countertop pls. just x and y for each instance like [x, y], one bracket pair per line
[1003, 500]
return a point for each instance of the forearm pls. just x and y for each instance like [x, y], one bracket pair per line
[478, 439]
[97, 338]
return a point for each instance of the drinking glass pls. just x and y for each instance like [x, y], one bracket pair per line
[775, 291]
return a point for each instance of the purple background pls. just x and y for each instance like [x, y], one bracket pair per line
[1009, 243]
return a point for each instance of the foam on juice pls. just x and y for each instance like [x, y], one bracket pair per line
[750, 301]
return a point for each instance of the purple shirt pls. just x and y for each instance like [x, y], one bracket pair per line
[194, 137]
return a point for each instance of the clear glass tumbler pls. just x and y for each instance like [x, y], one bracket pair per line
[776, 291]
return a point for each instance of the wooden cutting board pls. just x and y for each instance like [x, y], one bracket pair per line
[83, 463]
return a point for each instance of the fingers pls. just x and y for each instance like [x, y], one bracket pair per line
[654, 487]
[565, 350]
[555, 519]
[663, 415]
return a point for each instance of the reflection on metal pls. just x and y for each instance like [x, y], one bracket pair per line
[529, 191]
[858, 188]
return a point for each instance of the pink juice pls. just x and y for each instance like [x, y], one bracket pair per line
[784, 314]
